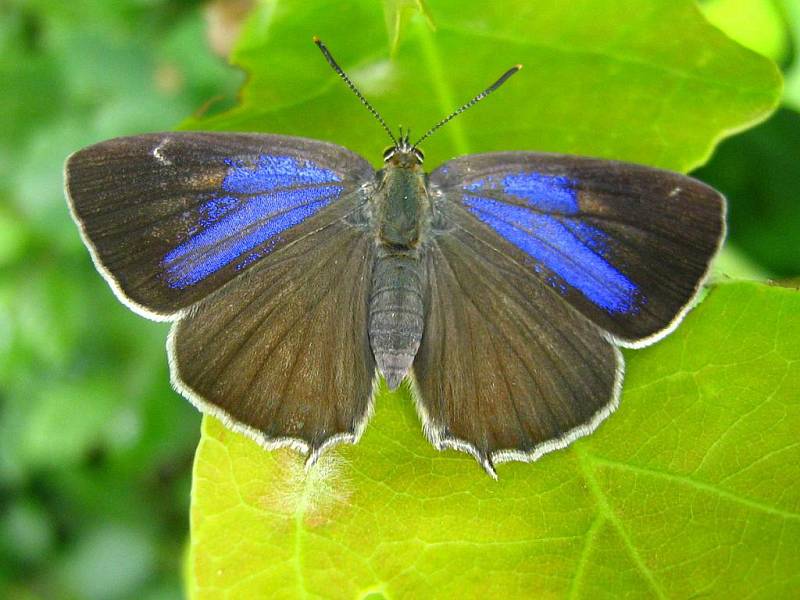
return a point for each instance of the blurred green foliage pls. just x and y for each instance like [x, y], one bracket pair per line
[758, 170]
[95, 448]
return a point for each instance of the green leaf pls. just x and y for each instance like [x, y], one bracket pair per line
[792, 91]
[676, 493]
[756, 24]
[732, 263]
[688, 489]
[659, 86]
[398, 13]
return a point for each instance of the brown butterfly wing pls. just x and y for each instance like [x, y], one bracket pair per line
[282, 354]
[169, 218]
[506, 370]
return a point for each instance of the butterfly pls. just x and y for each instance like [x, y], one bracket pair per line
[500, 286]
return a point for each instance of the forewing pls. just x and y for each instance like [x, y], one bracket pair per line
[171, 217]
[282, 352]
[506, 369]
[628, 246]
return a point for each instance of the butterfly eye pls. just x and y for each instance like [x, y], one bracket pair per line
[419, 154]
[389, 153]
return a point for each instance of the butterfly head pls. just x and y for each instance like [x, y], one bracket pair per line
[403, 153]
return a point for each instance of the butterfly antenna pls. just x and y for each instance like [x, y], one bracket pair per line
[503, 78]
[335, 66]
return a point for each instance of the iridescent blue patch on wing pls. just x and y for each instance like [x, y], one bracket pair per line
[244, 222]
[550, 193]
[272, 172]
[215, 209]
[542, 227]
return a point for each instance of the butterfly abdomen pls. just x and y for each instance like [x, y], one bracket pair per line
[396, 311]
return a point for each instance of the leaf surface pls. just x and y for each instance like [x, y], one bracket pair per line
[657, 85]
[685, 490]
[688, 489]
[756, 24]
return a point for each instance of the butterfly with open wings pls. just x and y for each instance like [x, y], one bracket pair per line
[500, 285]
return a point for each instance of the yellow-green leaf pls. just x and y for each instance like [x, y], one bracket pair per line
[756, 24]
[612, 515]
[688, 490]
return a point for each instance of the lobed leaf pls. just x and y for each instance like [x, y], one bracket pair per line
[688, 489]
[656, 85]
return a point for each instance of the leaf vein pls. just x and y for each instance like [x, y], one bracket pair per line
[700, 485]
[608, 513]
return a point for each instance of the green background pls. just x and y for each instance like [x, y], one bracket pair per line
[96, 450]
